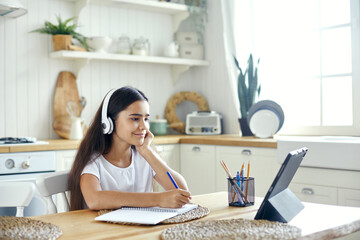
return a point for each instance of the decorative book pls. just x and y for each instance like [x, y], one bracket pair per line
[148, 216]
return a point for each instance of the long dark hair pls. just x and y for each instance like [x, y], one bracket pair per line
[97, 143]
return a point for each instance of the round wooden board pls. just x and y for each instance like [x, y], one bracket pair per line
[66, 90]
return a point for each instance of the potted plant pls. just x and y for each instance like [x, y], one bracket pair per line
[248, 89]
[62, 34]
[197, 16]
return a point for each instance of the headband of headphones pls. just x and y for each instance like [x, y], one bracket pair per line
[106, 122]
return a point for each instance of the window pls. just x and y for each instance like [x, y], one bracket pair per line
[309, 53]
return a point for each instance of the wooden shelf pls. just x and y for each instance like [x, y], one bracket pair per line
[146, 5]
[179, 12]
[154, 6]
[178, 65]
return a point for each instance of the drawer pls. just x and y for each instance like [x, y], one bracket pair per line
[246, 151]
[197, 149]
[349, 197]
[187, 37]
[314, 193]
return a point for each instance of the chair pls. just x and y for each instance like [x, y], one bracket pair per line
[16, 194]
[50, 184]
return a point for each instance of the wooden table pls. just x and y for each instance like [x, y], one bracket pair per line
[317, 221]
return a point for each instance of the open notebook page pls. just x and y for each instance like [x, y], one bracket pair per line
[138, 215]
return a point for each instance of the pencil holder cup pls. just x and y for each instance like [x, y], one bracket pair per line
[241, 192]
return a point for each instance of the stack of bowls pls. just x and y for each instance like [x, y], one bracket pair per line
[265, 118]
[99, 44]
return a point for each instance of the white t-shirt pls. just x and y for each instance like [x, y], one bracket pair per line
[137, 177]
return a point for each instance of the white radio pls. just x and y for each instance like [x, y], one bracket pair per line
[203, 123]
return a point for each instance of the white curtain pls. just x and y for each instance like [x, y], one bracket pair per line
[227, 13]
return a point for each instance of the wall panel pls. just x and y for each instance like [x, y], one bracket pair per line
[28, 76]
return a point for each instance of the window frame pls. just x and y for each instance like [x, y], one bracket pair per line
[354, 129]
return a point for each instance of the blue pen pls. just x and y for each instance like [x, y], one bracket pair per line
[238, 178]
[173, 181]
[171, 178]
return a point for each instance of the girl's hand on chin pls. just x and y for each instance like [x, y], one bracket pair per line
[147, 141]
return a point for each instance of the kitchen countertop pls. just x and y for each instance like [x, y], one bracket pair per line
[224, 140]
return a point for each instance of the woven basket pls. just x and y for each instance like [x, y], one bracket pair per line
[27, 228]
[232, 229]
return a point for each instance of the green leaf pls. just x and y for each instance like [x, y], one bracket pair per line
[248, 85]
[237, 63]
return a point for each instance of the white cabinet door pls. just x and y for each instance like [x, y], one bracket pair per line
[170, 153]
[349, 197]
[263, 166]
[197, 164]
[65, 159]
[331, 186]
[314, 193]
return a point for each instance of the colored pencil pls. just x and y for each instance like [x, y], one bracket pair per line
[231, 179]
[247, 181]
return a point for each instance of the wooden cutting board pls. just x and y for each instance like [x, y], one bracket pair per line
[66, 90]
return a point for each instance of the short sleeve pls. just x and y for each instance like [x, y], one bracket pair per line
[92, 168]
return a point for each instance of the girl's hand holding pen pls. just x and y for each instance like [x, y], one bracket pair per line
[174, 198]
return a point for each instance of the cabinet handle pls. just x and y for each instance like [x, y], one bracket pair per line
[246, 152]
[196, 149]
[307, 191]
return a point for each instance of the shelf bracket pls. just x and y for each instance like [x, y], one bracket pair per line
[79, 66]
[178, 18]
[79, 6]
[177, 70]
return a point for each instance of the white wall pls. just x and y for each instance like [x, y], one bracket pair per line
[28, 76]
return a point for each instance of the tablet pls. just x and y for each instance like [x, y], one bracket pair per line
[280, 204]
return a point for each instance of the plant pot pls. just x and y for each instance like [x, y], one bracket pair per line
[61, 42]
[244, 127]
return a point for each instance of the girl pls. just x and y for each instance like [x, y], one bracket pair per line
[115, 164]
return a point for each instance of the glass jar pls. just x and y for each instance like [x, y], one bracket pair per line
[141, 47]
[124, 45]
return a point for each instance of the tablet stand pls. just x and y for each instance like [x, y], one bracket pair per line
[282, 207]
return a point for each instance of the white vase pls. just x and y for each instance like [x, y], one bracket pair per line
[77, 127]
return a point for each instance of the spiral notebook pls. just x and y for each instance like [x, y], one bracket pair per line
[138, 215]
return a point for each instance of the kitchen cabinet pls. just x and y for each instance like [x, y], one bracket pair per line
[178, 12]
[197, 164]
[314, 193]
[65, 159]
[170, 153]
[349, 197]
[263, 166]
[200, 165]
[329, 186]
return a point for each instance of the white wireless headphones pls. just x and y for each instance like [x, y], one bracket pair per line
[106, 122]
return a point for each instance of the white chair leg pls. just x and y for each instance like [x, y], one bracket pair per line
[19, 211]
[51, 206]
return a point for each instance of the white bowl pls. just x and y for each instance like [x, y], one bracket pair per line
[264, 123]
[99, 44]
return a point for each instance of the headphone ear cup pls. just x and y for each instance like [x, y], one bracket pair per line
[111, 125]
[105, 125]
